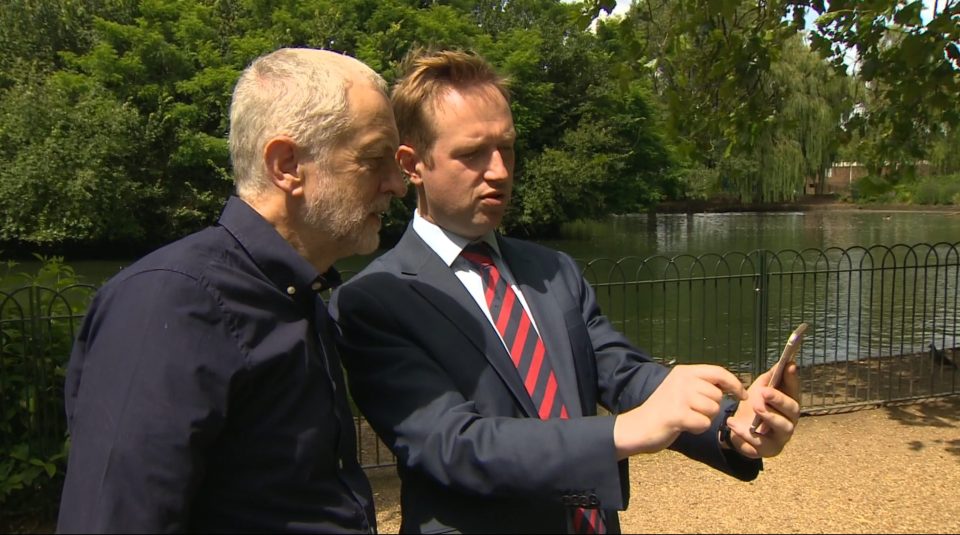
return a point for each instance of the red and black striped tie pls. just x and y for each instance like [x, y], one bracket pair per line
[529, 356]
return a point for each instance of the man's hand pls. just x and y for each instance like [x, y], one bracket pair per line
[779, 410]
[688, 399]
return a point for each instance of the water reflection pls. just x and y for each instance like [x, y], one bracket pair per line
[672, 234]
[737, 309]
[859, 300]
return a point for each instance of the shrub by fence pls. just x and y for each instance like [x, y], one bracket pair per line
[38, 315]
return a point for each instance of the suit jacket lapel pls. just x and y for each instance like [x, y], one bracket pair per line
[431, 278]
[548, 315]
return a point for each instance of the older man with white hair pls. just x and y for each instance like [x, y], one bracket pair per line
[204, 391]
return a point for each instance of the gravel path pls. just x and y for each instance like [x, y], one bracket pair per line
[893, 469]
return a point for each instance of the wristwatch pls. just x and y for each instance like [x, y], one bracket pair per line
[725, 429]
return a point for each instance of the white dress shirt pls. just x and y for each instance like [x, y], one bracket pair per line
[448, 247]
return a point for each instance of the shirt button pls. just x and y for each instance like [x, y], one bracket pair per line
[317, 286]
[291, 290]
[340, 462]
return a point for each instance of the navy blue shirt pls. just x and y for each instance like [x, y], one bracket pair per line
[204, 393]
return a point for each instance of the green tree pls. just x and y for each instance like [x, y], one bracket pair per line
[170, 63]
[34, 33]
[707, 70]
[577, 145]
[69, 164]
[799, 141]
[750, 111]
[911, 71]
[943, 155]
[612, 162]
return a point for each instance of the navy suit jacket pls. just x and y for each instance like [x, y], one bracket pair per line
[431, 375]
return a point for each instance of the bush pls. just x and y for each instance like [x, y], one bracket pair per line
[38, 316]
[936, 190]
[699, 182]
[928, 190]
[873, 188]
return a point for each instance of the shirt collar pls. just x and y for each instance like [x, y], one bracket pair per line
[278, 260]
[446, 244]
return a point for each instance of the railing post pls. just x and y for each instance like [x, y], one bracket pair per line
[35, 353]
[761, 305]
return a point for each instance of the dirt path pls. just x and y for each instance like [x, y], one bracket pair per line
[894, 469]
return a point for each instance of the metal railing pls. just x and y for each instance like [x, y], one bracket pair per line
[883, 325]
[883, 319]
[37, 328]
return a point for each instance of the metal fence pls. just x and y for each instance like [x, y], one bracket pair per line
[883, 319]
[37, 328]
[883, 325]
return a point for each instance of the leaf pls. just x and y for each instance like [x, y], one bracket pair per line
[909, 15]
[868, 68]
[607, 5]
[827, 18]
[21, 452]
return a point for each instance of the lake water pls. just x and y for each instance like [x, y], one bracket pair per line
[852, 310]
[862, 309]
[673, 234]
[645, 235]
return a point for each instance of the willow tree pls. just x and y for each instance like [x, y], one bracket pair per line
[710, 64]
[943, 155]
[799, 141]
[749, 106]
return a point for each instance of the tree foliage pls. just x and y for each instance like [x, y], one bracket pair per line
[612, 161]
[750, 110]
[70, 168]
[910, 69]
[114, 112]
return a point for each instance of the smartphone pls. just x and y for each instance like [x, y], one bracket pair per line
[789, 354]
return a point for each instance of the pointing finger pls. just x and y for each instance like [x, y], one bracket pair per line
[722, 379]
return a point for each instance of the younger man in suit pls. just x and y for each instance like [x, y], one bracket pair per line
[481, 359]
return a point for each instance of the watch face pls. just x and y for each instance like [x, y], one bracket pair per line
[725, 429]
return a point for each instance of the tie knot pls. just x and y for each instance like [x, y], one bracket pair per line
[478, 253]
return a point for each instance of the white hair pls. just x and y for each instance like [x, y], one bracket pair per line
[298, 92]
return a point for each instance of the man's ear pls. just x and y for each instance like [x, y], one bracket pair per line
[282, 161]
[410, 164]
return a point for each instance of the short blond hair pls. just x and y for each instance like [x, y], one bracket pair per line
[427, 76]
[298, 92]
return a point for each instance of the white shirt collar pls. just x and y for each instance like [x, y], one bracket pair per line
[446, 244]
